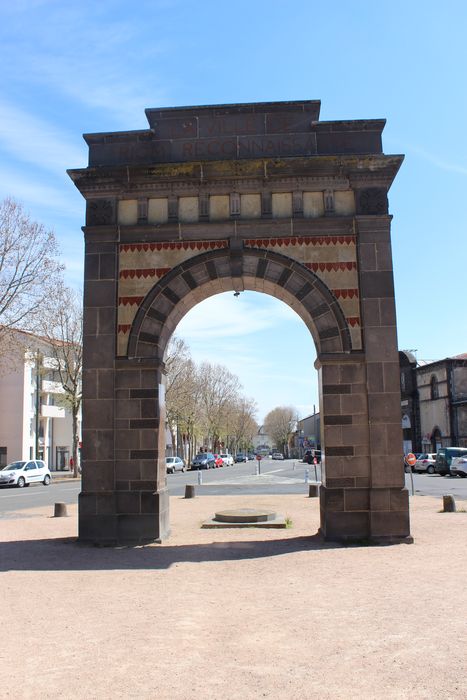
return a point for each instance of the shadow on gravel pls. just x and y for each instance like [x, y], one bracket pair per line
[67, 555]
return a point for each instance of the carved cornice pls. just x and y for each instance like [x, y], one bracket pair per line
[322, 172]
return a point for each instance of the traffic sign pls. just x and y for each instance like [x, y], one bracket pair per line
[411, 459]
[315, 460]
[259, 458]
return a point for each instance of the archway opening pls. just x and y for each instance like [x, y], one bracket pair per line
[249, 361]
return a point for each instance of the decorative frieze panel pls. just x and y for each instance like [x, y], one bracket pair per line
[331, 258]
[372, 201]
[282, 205]
[205, 207]
[128, 212]
[158, 211]
[188, 209]
[100, 212]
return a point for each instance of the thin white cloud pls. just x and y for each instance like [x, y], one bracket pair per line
[225, 316]
[439, 162]
[33, 193]
[429, 157]
[36, 141]
[85, 53]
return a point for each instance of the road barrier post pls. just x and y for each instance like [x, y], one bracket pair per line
[449, 504]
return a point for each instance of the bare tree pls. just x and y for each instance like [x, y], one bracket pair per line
[204, 402]
[219, 388]
[180, 390]
[29, 268]
[280, 424]
[63, 329]
[242, 423]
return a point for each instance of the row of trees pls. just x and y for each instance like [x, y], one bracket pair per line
[205, 406]
[35, 298]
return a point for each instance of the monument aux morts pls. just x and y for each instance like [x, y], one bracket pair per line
[239, 197]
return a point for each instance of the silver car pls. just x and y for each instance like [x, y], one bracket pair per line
[459, 467]
[425, 463]
[174, 464]
[24, 473]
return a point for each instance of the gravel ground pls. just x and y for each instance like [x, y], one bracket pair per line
[236, 613]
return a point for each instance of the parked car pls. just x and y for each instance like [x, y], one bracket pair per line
[227, 459]
[24, 473]
[310, 455]
[174, 464]
[277, 455]
[459, 466]
[444, 458]
[250, 455]
[241, 457]
[425, 463]
[203, 460]
[218, 461]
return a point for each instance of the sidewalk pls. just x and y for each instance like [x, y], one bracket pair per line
[234, 614]
[63, 475]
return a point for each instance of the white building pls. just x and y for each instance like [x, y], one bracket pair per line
[262, 442]
[34, 419]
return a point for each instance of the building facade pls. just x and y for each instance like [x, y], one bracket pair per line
[307, 436]
[442, 390]
[35, 421]
[262, 442]
[410, 406]
[433, 403]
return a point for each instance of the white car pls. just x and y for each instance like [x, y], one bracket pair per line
[277, 455]
[227, 459]
[24, 473]
[458, 466]
[425, 463]
[174, 464]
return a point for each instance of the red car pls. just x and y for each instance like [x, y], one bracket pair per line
[219, 461]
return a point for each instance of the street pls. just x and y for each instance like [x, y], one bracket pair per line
[277, 477]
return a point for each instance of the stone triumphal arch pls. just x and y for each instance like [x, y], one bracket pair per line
[251, 196]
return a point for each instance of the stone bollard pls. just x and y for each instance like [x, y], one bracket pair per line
[189, 491]
[60, 510]
[449, 504]
[313, 490]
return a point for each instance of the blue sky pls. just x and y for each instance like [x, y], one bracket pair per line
[70, 68]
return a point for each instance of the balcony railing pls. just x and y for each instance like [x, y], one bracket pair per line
[52, 411]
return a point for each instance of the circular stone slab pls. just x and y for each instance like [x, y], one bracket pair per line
[244, 515]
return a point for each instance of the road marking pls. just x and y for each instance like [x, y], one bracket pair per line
[12, 495]
[26, 492]
[257, 479]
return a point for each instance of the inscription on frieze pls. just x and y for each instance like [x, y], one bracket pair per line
[264, 130]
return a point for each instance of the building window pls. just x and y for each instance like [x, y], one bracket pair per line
[3, 459]
[434, 391]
